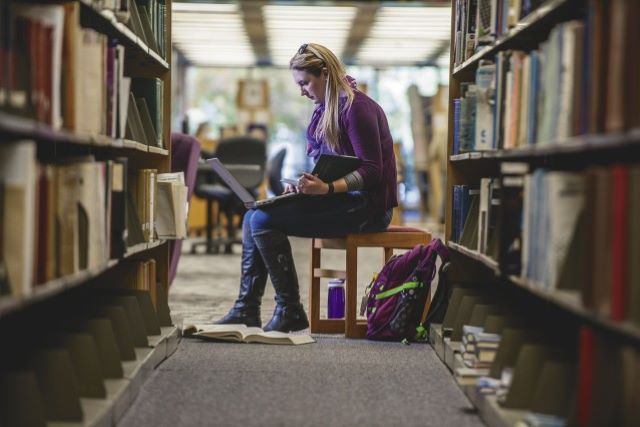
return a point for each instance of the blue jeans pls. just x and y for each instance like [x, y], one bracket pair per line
[320, 216]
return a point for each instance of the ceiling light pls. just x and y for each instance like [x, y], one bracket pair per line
[405, 35]
[289, 26]
[205, 7]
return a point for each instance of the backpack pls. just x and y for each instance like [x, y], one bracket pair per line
[397, 295]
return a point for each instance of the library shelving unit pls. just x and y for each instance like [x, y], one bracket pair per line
[555, 189]
[83, 310]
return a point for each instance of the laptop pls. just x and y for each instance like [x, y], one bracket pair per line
[243, 194]
[329, 168]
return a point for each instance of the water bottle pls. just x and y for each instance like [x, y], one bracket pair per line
[335, 302]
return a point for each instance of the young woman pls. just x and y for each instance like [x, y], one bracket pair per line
[344, 121]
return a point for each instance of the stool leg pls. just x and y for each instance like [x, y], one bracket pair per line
[388, 253]
[314, 290]
[351, 287]
[209, 226]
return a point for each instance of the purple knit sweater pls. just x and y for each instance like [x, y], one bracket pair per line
[364, 133]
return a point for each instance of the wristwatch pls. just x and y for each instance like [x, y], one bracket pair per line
[331, 189]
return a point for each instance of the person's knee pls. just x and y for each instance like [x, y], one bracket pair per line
[260, 221]
[246, 221]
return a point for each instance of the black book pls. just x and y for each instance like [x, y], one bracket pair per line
[332, 166]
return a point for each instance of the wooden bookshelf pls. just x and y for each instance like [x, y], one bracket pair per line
[82, 295]
[528, 29]
[106, 23]
[583, 152]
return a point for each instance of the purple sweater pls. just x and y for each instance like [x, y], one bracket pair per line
[364, 133]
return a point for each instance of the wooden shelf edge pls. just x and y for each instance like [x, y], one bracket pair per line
[158, 150]
[567, 301]
[484, 259]
[583, 144]
[159, 59]
[525, 25]
[46, 290]
[144, 246]
[23, 127]
[134, 145]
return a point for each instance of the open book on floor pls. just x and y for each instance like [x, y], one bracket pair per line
[242, 333]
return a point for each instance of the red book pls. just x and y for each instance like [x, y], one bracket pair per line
[585, 376]
[620, 199]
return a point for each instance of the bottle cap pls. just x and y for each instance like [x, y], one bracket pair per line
[335, 282]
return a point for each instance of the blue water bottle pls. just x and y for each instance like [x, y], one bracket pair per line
[335, 302]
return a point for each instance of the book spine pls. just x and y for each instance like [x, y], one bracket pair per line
[620, 177]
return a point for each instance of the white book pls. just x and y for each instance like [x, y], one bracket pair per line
[507, 122]
[485, 78]
[18, 175]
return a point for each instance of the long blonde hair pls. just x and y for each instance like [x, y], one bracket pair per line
[312, 58]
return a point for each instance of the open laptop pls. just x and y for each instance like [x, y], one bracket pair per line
[243, 194]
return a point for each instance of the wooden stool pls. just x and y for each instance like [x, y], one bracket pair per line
[395, 237]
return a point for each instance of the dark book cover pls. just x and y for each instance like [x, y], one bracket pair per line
[510, 218]
[332, 167]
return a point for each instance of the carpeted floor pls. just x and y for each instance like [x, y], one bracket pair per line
[334, 382]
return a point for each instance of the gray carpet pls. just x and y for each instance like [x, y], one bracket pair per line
[334, 382]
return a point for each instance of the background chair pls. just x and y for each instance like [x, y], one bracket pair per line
[274, 171]
[245, 157]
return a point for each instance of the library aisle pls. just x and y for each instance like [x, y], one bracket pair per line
[333, 382]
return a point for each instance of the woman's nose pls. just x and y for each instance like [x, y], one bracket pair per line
[303, 92]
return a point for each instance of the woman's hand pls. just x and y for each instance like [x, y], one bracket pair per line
[288, 188]
[311, 184]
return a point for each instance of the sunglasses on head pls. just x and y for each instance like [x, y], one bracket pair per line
[303, 48]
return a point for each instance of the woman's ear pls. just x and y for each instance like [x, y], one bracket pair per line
[325, 72]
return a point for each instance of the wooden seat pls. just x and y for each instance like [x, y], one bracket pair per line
[395, 237]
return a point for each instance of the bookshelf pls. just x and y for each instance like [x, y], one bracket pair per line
[83, 278]
[542, 206]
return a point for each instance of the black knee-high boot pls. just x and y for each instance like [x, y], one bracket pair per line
[289, 314]
[246, 309]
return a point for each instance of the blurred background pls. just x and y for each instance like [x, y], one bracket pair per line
[231, 78]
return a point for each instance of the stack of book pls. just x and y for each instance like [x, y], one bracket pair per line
[479, 347]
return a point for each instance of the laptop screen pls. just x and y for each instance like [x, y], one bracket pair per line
[230, 180]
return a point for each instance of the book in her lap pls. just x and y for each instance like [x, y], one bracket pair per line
[242, 333]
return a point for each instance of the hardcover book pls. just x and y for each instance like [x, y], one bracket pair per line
[245, 334]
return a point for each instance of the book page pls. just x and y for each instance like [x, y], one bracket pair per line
[275, 337]
[243, 333]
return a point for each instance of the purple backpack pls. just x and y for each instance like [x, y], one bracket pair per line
[398, 294]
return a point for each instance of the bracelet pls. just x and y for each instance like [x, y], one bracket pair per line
[331, 189]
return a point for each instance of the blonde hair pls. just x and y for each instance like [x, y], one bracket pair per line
[312, 58]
